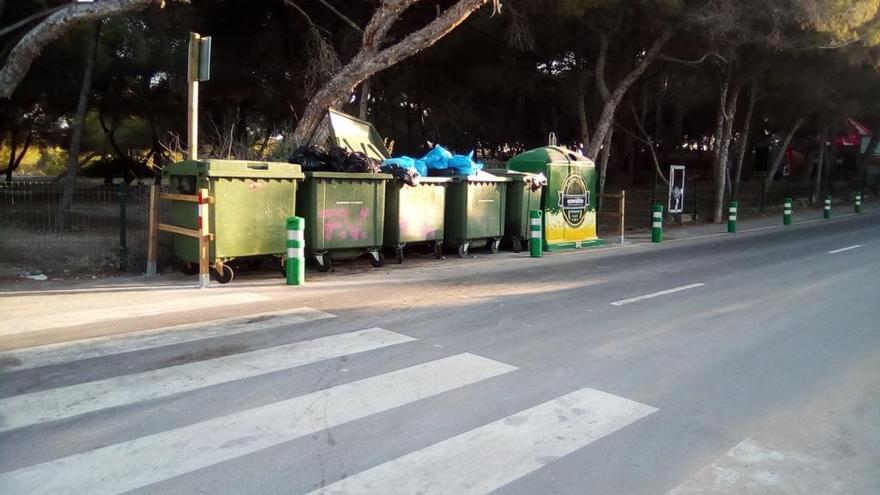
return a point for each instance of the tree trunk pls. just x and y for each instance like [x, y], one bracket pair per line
[614, 98]
[721, 168]
[744, 139]
[678, 119]
[581, 104]
[603, 165]
[51, 28]
[780, 154]
[77, 131]
[371, 60]
[820, 166]
[717, 170]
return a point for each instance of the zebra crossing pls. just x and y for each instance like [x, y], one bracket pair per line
[477, 461]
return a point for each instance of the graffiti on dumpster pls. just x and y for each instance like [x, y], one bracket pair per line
[346, 223]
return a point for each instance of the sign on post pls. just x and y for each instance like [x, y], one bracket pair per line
[676, 189]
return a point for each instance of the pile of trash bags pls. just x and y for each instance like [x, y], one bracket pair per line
[439, 162]
[315, 158]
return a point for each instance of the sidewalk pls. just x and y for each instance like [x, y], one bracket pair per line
[748, 222]
[39, 313]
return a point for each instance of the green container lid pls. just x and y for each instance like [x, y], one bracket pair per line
[235, 168]
[348, 176]
[537, 159]
[482, 178]
[354, 134]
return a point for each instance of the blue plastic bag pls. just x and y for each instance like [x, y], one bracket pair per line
[465, 164]
[438, 158]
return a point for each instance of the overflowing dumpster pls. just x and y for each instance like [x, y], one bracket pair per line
[413, 213]
[523, 194]
[569, 199]
[475, 212]
[251, 202]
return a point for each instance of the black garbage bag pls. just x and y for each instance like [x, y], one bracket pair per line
[359, 162]
[408, 175]
[315, 158]
[311, 158]
[336, 159]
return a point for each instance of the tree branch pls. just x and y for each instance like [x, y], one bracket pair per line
[342, 16]
[34, 41]
[305, 15]
[370, 60]
[14, 26]
[667, 58]
[601, 60]
[648, 141]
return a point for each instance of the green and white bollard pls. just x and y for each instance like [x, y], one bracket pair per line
[827, 212]
[786, 212]
[657, 224]
[295, 265]
[731, 218]
[536, 249]
[857, 202]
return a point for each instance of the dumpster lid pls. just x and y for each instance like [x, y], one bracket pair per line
[354, 134]
[535, 160]
[483, 176]
[236, 168]
[513, 175]
[348, 175]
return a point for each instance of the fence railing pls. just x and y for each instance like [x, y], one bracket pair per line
[105, 230]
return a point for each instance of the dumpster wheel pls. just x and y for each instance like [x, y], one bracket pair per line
[438, 250]
[377, 259]
[323, 263]
[493, 245]
[223, 273]
[516, 244]
[463, 249]
[398, 255]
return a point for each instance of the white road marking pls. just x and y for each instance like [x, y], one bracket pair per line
[491, 456]
[66, 352]
[848, 248]
[137, 463]
[65, 402]
[26, 324]
[750, 467]
[656, 294]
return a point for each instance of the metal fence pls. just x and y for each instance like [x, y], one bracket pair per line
[106, 230]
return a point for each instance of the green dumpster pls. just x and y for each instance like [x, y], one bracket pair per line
[569, 199]
[345, 215]
[521, 197]
[413, 214]
[251, 202]
[475, 212]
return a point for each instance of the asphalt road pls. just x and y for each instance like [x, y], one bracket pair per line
[728, 364]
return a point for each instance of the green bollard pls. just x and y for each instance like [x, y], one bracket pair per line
[657, 224]
[827, 212]
[858, 202]
[786, 212]
[295, 265]
[731, 218]
[536, 249]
